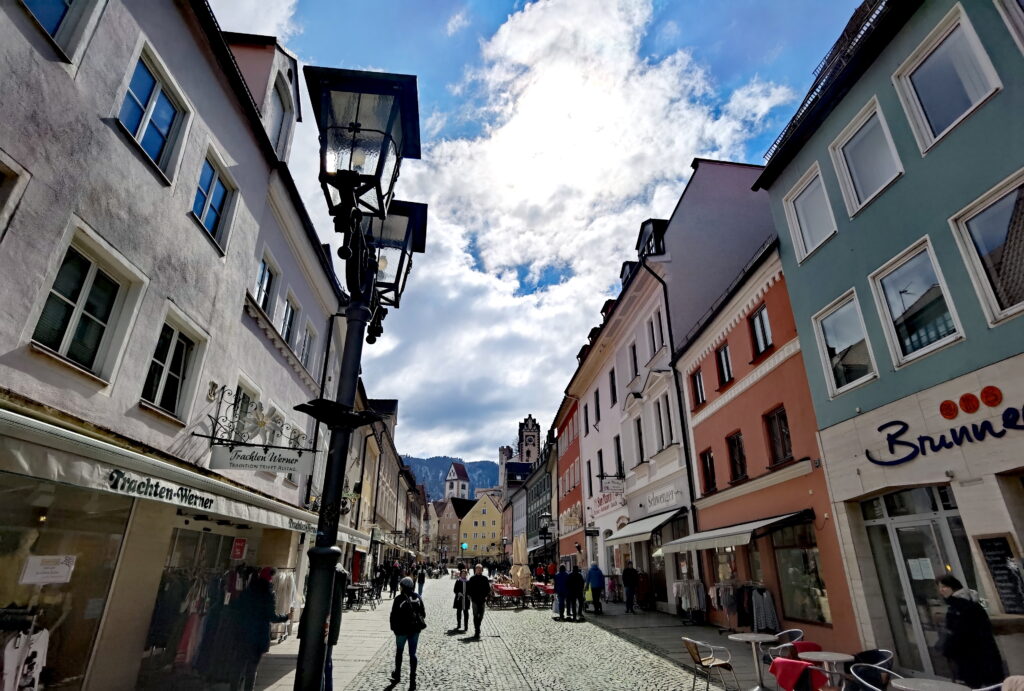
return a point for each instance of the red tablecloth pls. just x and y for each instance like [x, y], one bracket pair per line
[546, 587]
[508, 590]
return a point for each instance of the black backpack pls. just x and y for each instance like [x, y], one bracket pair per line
[415, 618]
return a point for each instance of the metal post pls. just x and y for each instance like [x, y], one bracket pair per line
[324, 555]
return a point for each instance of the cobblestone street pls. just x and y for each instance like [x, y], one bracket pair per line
[519, 650]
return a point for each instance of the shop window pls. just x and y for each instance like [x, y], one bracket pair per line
[725, 563]
[781, 446]
[41, 519]
[756, 569]
[804, 595]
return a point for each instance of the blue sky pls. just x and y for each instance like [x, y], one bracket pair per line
[550, 131]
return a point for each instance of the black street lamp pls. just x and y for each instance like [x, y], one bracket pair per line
[545, 529]
[368, 122]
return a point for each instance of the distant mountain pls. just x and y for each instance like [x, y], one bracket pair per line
[430, 472]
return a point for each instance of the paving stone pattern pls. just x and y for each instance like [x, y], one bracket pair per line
[520, 650]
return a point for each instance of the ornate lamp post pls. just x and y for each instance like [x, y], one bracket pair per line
[368, 122]
[545, 528]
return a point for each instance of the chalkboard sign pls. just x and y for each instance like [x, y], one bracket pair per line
[997, 551]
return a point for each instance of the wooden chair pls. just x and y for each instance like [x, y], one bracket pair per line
[873, 677]
[707, 657]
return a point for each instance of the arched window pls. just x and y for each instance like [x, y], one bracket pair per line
[278, 115]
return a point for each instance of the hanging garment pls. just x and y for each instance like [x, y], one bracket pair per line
[765, 617]
[24, 658]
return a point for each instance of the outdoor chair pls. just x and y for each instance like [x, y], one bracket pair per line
[875, 656]
[782, 639]
[707, 657]
[837, 681]
[872, 677]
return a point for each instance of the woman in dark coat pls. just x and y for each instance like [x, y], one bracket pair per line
[256, 611]
[461, 603]
[969, 642]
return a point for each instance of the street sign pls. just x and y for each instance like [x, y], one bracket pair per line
[591, 532]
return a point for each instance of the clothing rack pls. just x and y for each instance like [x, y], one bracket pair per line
[692, 598]
[733, 586]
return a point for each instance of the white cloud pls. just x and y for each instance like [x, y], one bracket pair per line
[267, 17]
[582, 139]
[456, 23]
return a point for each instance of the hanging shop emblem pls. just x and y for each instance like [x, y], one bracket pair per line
[613, 485]
[899, 439]
[245, 437]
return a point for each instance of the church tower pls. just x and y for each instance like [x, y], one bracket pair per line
[504, 456]
[529, 441]
[456, 482]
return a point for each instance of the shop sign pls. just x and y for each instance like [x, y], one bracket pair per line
[605, 503]
[238, 548]
[269, 459]
[125, 483]
[43, 570]
[613, 485]
[663, 499]
[898, 441]
[301, 526]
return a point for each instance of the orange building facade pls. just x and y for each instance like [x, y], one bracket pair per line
[568, 488]
[763, 512]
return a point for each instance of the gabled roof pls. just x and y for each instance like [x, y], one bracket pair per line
[462, 506]
[460, 471]
[439, 506]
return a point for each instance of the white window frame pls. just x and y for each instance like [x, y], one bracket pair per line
[275, 284]
[892, 340]
[290, 302]
[660, 328]
[74, 33]
[727, 369]
[994, 314]
[1013, 15]
[698, 376]
[281, 88]
[307, 345]
[670, 434]
[126, 309]
[766, 325]
[835, 150]
[15, 180]
[956, 17]
[793, 221]
[170, 159]
[182, 324]
[227, 216]
[634, 360]
[819, 336]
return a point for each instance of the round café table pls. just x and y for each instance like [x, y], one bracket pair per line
[831, 661]
[754, 639]
[919, 684]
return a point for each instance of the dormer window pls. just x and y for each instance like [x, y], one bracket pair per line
[278, 115]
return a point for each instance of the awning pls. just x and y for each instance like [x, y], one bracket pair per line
[45, 451]
[352, 536]
[640, 530]
[730, 536]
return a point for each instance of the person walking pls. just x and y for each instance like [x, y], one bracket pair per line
[595, 579]
[630, 579]
[562, 591]
[421, 578]
[575, 585]
[969, 643]
[396, 576]
[478, 588]
[256, 611]
[461, 602]
[408, 619]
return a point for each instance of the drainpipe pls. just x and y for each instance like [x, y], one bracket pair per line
[698, 565]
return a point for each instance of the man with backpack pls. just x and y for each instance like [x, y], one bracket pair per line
[408, 619]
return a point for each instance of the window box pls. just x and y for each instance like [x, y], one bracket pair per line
[865, 158]
[945, 79]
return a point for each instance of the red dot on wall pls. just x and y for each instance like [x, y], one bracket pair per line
[948, 410]
[991, 396]
[969, 403]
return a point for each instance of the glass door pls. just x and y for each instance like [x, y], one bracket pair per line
[924, 557]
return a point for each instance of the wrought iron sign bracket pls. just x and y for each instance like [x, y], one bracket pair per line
[337, 415]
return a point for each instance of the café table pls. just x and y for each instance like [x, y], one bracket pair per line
[919, 684]
[754, 639]
[831, 661]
